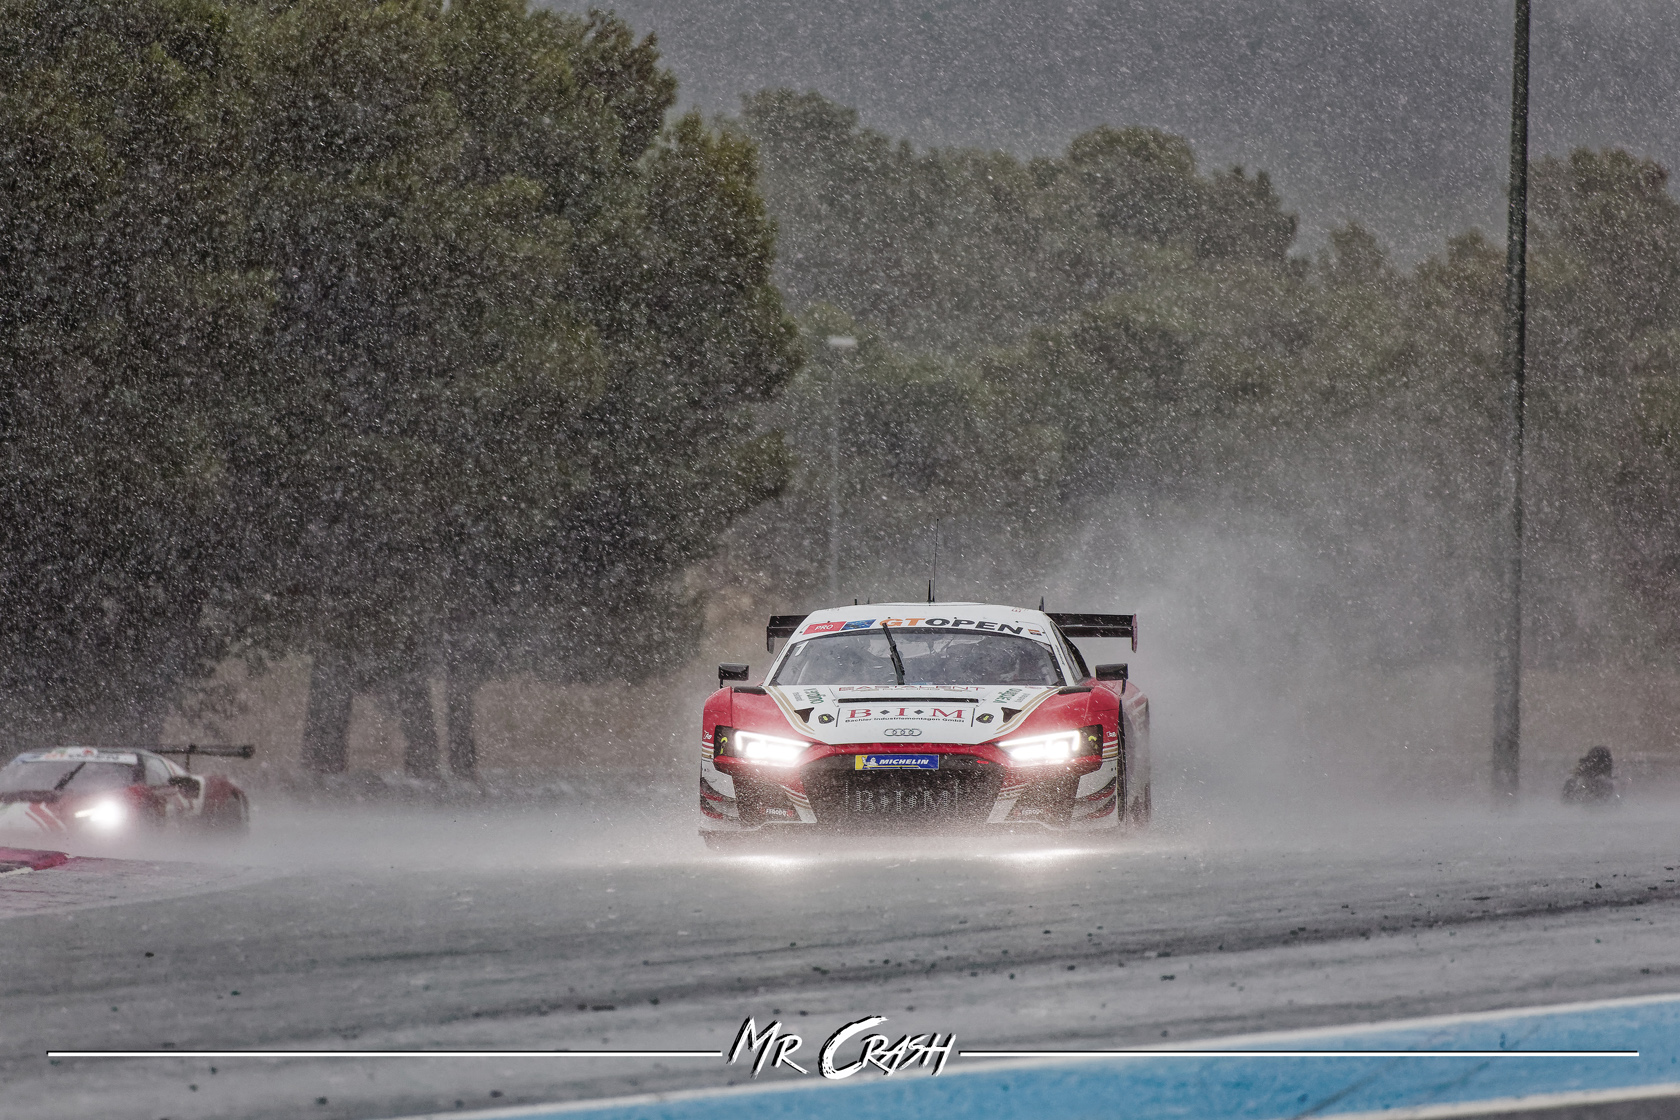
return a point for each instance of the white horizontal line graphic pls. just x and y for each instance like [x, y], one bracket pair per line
[962, 1054]
[384, 1053]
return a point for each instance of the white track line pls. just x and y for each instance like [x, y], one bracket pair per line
[1538, 1103]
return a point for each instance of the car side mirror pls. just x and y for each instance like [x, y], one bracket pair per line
[184, 781]
[1119, 671]
[731, 671]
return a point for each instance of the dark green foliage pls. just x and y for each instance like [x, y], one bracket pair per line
[1091, 338]
[124, 311]
[958, 247]
[394, 333]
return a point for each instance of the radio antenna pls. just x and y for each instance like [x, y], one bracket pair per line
[933, 573]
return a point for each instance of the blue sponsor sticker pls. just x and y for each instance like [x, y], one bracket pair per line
[859, 624]
[897, 762]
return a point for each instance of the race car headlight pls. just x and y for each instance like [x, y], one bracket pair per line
[768, 749]
[106, 814]
[1060, 747]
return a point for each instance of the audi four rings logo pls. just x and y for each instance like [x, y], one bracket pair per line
[903, 733]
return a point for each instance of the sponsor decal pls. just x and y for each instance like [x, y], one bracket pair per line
[826, 717]
[896, 762]
[81, 754]
[983, 717]
[813, 695]
[874, 689]
[935, 623]
[902, 733]
[926, 712]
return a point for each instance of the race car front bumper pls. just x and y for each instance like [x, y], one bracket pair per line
[972, 788]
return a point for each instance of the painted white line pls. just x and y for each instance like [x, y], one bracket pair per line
[520, 1112]
[384, 1054]
[1451, 1020]
[1540, 1102]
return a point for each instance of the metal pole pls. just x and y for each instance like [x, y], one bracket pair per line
[839, 344]
[833, 500]
[1507, 736]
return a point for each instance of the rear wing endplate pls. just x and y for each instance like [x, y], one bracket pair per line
[1097, 625]
[781, 626]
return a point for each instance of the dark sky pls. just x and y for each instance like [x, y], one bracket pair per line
[1394, 113]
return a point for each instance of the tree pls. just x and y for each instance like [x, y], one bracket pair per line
[124, 316]
[403, 335]
[515, 332]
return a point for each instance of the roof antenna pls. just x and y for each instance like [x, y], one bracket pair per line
[1041, 602]
[934, 573]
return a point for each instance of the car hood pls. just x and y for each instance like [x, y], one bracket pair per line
[961, 714]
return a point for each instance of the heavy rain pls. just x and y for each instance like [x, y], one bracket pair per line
[424, 424]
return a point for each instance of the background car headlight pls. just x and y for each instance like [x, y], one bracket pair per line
[106, 814]
[769, 749]
[1060, 747]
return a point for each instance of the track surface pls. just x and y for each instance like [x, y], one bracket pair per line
[612, 927]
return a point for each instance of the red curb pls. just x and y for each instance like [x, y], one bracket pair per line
[32, 859]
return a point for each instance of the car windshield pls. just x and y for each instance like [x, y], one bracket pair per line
[930, 657]
[65, 776]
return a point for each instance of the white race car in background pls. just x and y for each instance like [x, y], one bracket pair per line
[112, 793]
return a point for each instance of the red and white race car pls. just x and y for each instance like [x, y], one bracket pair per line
[949, 715]
[107, 793]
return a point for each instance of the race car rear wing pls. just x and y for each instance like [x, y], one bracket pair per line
[1097, 625]
[781, 626]
[1072, 625]
[211, 750]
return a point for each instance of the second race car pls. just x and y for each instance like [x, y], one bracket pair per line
[111, 793]
[949, 715]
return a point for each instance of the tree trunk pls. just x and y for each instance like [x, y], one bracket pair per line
[459, 689]
[412, 697]
[326, 723]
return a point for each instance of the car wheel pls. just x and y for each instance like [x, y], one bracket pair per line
[728, 841]
[231, 817]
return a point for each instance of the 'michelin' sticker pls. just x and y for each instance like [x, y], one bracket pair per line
[897, 762]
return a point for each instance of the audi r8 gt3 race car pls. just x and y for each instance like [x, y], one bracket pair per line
[105, 793]
[948, 715]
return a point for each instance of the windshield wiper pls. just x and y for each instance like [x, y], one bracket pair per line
[898, 662]
[64, 781]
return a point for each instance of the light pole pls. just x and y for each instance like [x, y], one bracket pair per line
[840, 344]
[1507, 734]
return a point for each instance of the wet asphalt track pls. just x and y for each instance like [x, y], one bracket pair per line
[611, 927]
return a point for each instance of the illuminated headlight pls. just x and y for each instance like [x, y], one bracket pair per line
[106, 814]
[767, 749]
[1060, 747]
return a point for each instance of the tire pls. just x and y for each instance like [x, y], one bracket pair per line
[729, 841]
[230, 818]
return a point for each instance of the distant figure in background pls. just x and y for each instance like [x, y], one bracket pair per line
[1592, 780]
